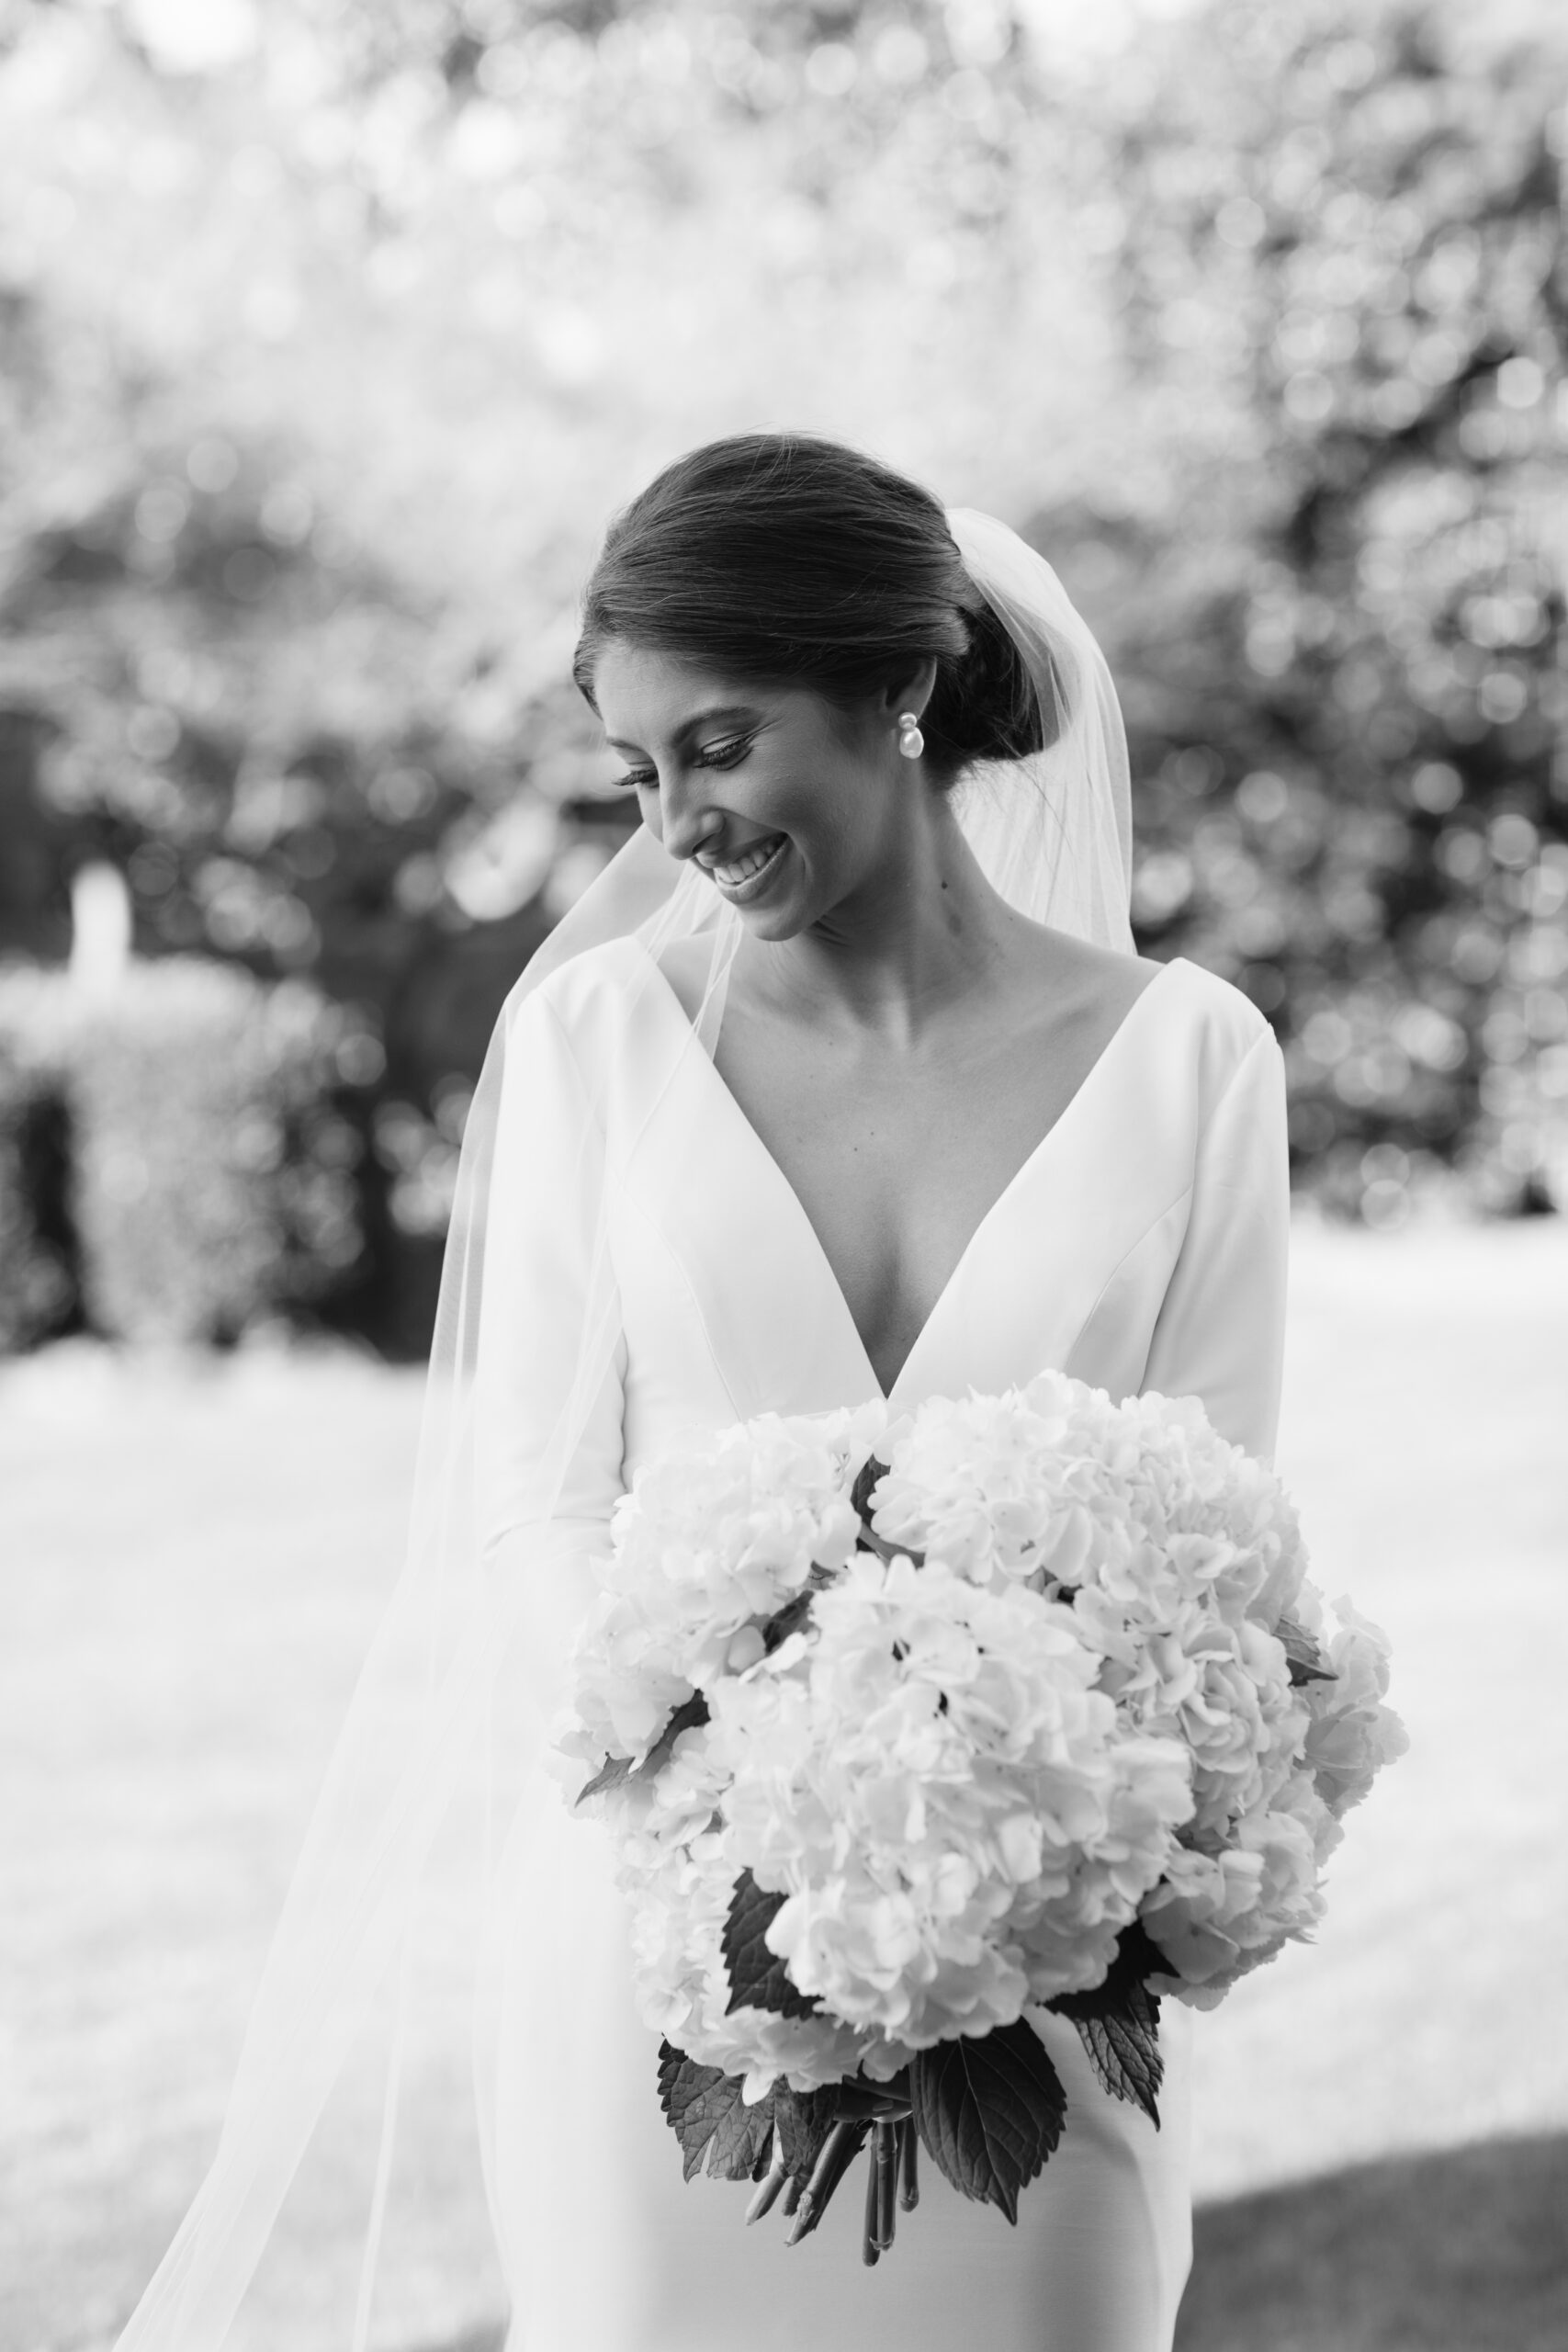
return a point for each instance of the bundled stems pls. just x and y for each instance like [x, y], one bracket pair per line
[881, 2188]
[839, 2150]
[875, 2116]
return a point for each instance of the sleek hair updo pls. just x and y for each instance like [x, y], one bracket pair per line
[787, 560]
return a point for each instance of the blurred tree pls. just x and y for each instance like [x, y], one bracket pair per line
[332, 334]
[1347, 232]
[329, 333]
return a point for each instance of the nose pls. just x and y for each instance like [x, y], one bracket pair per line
[684, 823]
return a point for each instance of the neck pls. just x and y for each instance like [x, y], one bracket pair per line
[892, 957]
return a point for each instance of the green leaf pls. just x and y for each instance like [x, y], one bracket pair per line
[990, 2110]
[787, 1621]
[861, 1492]
[758, 1978]
[708, 2115]
[804, 2121]
[688, 1716]
[1118, 2022]
[1136, 1958]
[1304, 1658]
[1125, 2053]
[610, 1775]
[870, 1541]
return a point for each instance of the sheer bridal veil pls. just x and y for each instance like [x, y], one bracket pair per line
[451, 1710]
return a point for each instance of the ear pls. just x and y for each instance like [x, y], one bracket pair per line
[911, 689]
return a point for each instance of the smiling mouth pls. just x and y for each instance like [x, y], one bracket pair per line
[733, 873]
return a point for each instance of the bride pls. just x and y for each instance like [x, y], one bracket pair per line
[844, 1080]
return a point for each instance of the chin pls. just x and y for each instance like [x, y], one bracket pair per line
[783, 914]
[773, 924]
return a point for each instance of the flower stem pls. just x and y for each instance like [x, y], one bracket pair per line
[908, 2151]
[871, 2232]
[885, 2172]
[771, 2187]
[839, 2152]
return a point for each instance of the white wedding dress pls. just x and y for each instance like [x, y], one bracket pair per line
[1141, 1245]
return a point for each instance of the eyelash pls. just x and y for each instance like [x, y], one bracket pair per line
[728, 755]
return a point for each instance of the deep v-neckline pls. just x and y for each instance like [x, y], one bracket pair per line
[1015, 1183]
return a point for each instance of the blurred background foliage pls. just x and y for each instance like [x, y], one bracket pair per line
[330, 332]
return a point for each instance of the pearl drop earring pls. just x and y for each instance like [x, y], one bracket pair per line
[911, 743]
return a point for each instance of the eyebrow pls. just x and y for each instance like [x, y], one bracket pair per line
[690, 726]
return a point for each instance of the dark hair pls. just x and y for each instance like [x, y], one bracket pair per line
[780, 558]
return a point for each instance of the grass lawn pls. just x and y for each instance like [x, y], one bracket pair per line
[192, 1557]
[1464, 2251]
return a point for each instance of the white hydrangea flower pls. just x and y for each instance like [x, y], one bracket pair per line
[1223, 1691]
[981, 1483]
[1350, 1733]
[1069, 1939]
[1054, 1481]
[943, 1798]
[1218, 1915]
[965, 1780]
[717, 1534]
[675, 1865]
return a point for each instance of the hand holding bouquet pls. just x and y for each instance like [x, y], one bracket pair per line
[905, 1723]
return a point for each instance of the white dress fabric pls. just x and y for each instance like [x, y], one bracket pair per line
[1141, 1245]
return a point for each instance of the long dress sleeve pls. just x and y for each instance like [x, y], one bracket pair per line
[550, 1454]
[1220, 1332]
[551, 1353]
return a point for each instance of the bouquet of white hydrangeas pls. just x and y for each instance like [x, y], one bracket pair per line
[903, 1722]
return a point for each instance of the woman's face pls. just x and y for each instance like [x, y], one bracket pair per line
[790, 805]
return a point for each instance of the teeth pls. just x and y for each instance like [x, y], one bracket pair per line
[744, 867]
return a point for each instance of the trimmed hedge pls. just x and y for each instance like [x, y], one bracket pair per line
[37, 1289]
[211, 1179]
